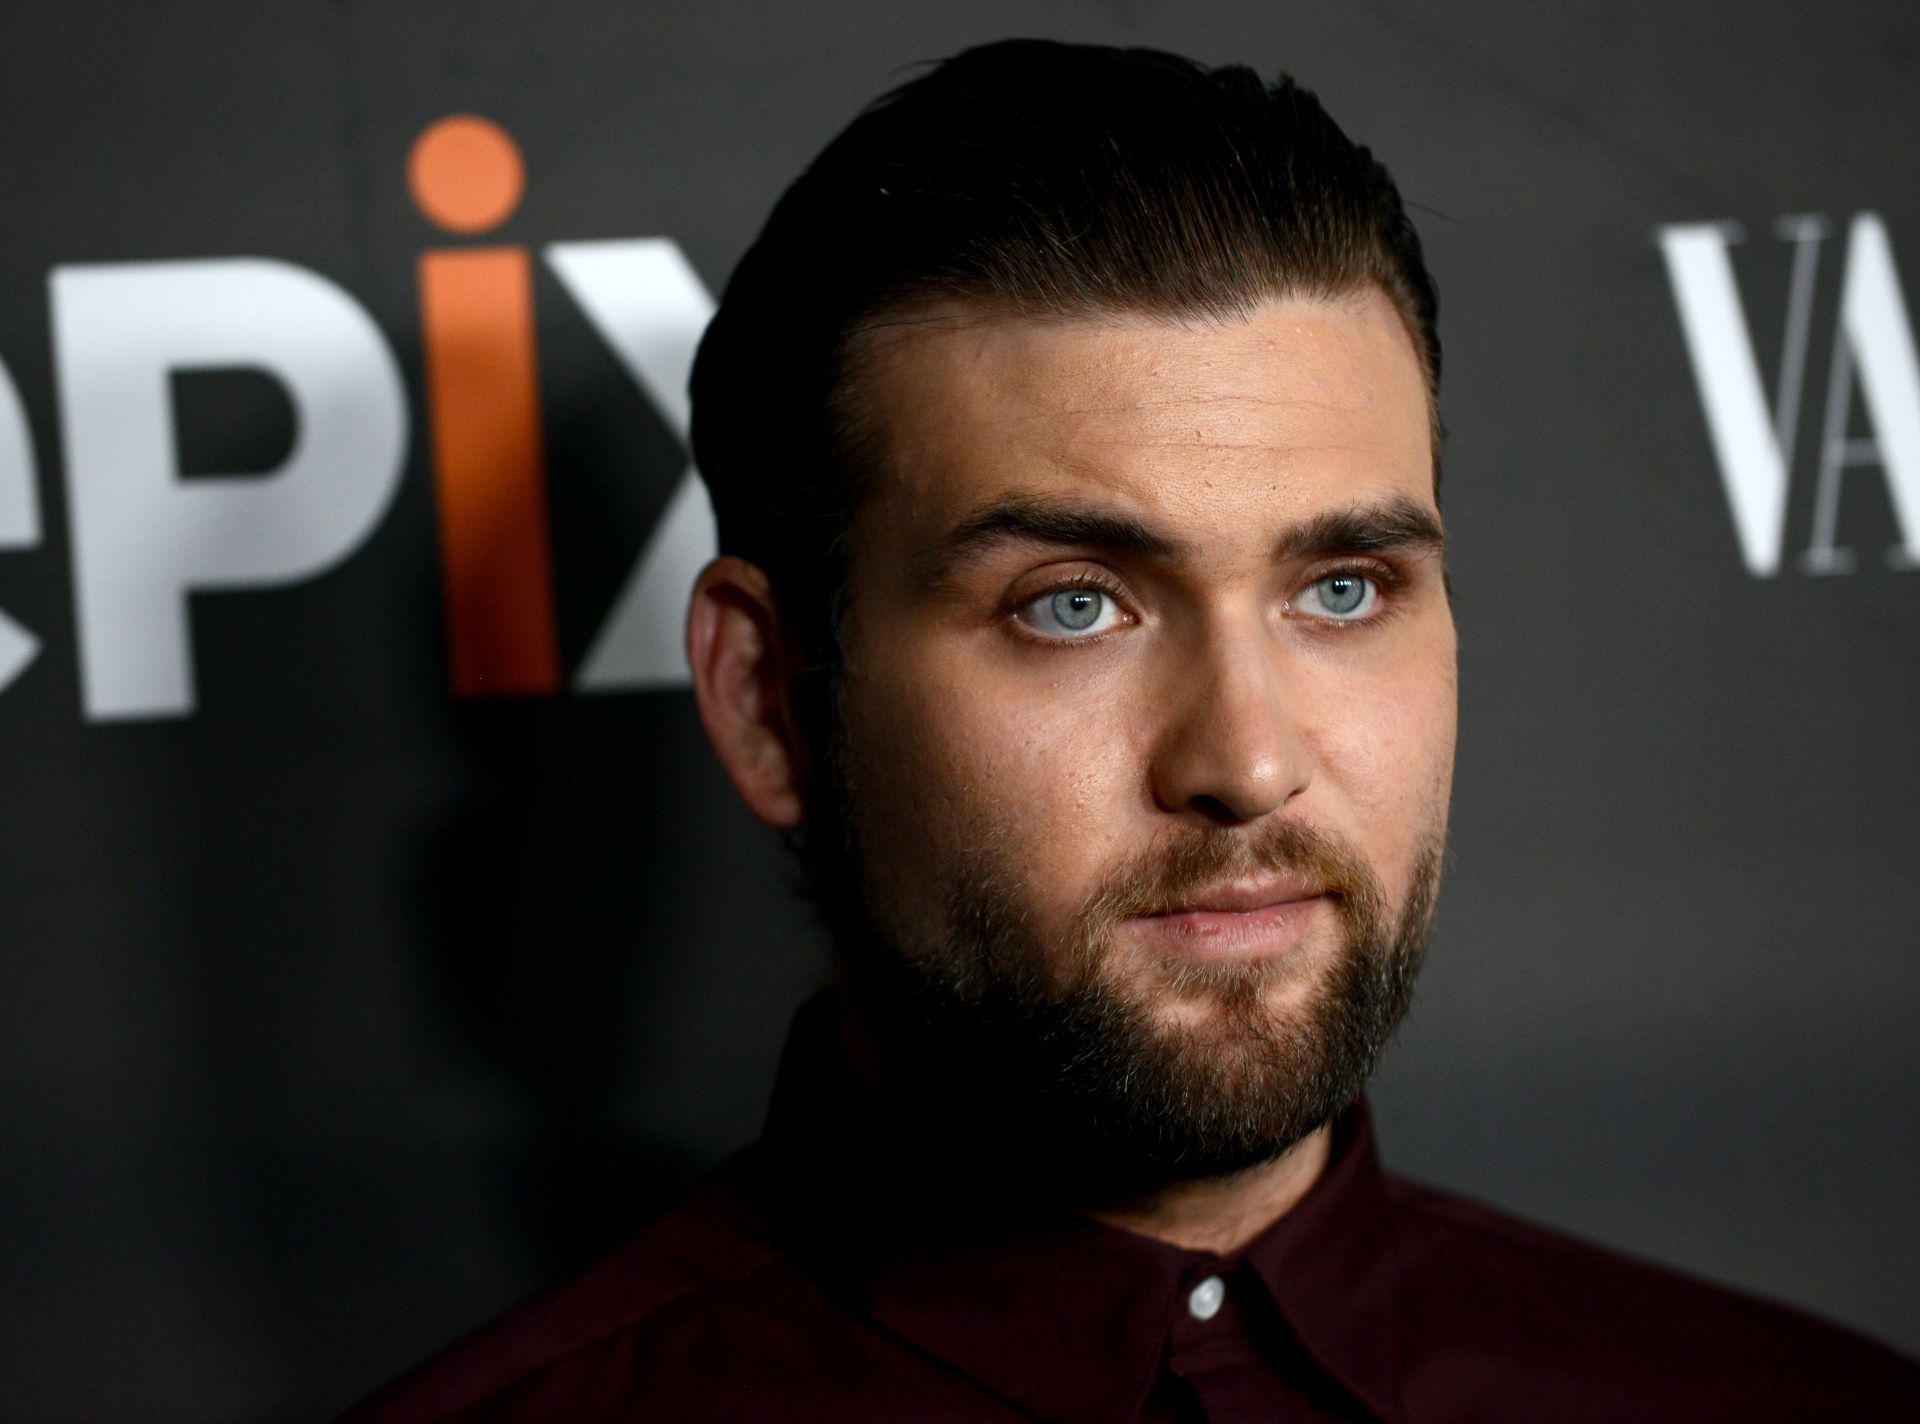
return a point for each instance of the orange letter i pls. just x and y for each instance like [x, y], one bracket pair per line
[476, 317]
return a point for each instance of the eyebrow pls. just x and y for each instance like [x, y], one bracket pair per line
[1028, 519]
[1394, 524]
[1397, 524]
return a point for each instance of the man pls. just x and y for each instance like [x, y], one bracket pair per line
[1072, 431]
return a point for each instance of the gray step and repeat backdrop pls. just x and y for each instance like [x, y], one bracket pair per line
[371, 954]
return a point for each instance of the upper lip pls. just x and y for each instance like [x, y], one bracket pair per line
[1240, 896]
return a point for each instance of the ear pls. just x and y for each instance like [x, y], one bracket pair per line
[743, 676]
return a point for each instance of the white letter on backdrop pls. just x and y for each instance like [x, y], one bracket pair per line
[1875, 326]
[649, 305]
[1746, 445]
[19, 518]
[143, 537]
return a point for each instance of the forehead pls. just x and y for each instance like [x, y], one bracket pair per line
[1308, 403]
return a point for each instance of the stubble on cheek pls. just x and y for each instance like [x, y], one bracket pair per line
[976, 820]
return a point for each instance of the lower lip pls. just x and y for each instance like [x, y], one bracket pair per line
[1229, 934]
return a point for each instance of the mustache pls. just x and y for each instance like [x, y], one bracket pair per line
[1185, 864]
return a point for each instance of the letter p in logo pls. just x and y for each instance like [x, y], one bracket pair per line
[143, 538]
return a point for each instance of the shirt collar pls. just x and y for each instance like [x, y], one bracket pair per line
[1332, 1267]
[1061, 1315]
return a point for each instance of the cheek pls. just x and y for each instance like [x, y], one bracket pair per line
[1386, 747]
[959, 761]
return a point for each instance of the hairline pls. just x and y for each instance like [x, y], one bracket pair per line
[853, 428]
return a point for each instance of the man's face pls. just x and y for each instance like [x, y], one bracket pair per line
[1148, 698]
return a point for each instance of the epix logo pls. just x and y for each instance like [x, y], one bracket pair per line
[143, 538]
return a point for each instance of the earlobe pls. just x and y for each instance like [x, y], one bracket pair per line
[743, 683]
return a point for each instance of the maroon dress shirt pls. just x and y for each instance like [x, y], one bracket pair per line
[830, 1273]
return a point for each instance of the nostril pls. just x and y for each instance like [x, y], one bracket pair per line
[1216, 810]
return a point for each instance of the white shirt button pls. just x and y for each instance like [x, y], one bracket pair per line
[1204, 1303]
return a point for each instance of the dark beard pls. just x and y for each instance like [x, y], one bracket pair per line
[1040, 1059]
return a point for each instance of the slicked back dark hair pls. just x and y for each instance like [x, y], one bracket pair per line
[1033, 178]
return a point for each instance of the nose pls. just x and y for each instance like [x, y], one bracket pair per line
[1230, 749]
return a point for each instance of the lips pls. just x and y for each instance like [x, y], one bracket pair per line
[1240, 920]
[1242, 897]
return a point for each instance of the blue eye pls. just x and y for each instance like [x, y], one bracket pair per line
[1078, 609]
[1070, 613]
[1347, 596]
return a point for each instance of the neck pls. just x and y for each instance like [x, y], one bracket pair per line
[1222, 1214]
